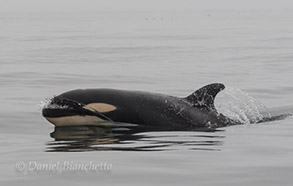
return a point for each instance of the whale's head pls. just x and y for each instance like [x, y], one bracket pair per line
[65, 110]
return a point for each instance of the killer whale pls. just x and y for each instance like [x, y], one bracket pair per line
[96, 106]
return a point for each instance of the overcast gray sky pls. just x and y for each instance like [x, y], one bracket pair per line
[140, 5]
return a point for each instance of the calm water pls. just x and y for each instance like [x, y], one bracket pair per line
[45, 53]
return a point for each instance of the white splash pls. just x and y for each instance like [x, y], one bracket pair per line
[238, 105]
[46, 103]
[43, 104]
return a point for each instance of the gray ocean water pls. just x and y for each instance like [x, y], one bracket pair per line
[46, 53]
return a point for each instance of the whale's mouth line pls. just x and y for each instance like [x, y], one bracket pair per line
[62, 107]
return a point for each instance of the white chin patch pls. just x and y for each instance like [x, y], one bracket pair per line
[76, 120]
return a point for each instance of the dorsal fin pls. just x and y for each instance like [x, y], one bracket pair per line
[205, 96]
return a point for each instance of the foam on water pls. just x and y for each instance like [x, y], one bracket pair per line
[238, 105]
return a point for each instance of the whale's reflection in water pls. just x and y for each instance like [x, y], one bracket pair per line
[129, 137]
